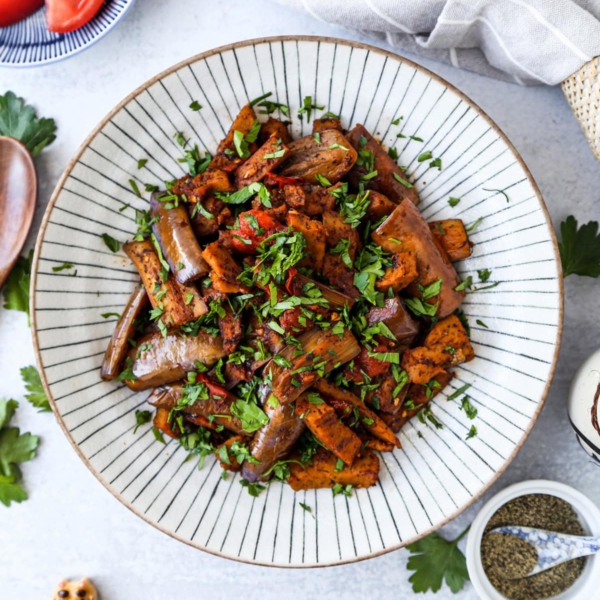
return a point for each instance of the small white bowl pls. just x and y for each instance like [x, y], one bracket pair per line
[587, 587]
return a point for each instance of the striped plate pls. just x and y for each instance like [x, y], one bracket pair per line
[516, 326]
[28, 43]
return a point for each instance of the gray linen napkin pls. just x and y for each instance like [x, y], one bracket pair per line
[530, 42]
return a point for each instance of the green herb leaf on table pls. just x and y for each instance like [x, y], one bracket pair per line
[33, 383]
[434, 560]
[579, 248]
[19, 121]
[16, 287]
[15, 448]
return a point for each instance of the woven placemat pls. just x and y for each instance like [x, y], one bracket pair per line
[582, 90]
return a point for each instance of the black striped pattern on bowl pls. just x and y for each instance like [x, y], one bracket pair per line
[516, 326]
[29, 43]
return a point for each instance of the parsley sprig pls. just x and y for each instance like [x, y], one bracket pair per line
[19, 121]
[434, 560]
[579, 248]
[15, 448]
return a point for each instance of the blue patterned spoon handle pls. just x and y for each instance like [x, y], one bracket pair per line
[552, 548]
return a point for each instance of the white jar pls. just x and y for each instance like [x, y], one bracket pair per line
[584, 405]
[587, 587]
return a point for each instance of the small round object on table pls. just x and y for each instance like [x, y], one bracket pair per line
[76, 589]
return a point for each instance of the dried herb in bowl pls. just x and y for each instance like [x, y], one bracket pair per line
[507, 559]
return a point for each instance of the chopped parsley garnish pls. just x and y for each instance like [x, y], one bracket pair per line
[464, 285]
[135, 188]
[459, 391]
[393, 153]
[354, 207]
[405, 183]
[345, 490]
[474, 224]
[436, 162]
[498, 192]
[63, 267]
[277, 154]
[254, 489]
[195, 105]
[453, 201]
[142, 163]
[112, 244]
[141, 418]
[307, 108]
[415, 138]
[254, 102]
[158, 436]
[342, 248]
[484, 274]
[246, 193]
[250, 414]
[424, 156]
[323, 180]
[472, 432]
[479, 322]
[421, 309]
[470, 410]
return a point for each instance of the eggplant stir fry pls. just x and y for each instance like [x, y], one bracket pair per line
[295, 310]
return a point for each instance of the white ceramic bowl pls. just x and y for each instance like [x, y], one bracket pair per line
[584, 405]
[587, 586]
[516, 327]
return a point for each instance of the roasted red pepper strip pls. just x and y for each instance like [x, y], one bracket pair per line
[254, 226]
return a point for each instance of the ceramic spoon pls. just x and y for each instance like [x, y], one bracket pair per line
[18, 192]
[552, 548]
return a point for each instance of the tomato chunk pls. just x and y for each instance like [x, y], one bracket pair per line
[367, 364]
[63, 16]
[254, 226]
[13, 11]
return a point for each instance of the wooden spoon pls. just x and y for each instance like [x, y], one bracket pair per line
[18, 193]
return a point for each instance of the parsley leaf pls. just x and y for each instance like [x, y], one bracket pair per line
[251, 415]
[33, 384]
[254, 489]
[405, 183]
[15, 448]
[141, 418]
[18, 120]
[16, 287]
[342, 248]
[195, 105]
[62, 267]
[452, 201]
[579, 248]
[110, 242]
[434, 559]
[307, 108]
[470, 410]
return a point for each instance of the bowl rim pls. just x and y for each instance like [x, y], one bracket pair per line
[241, 44]
[589, 511]
[84, 46]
